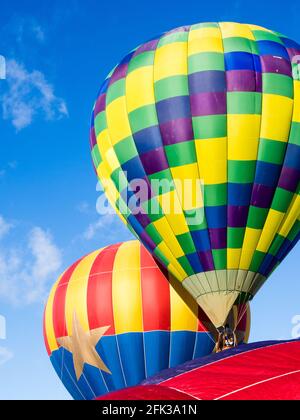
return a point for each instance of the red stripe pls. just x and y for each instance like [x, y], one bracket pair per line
[99, 293]
[59, 319]
[202, 320]
[45, 336]
[155, 295]
[233, 373]
[242, 316]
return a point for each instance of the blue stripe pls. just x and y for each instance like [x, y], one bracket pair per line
[132, 356]
[157, 345]
[182, 347]
[272, 48]
[242, 61]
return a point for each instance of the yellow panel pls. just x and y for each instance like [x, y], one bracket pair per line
[296, 114]
[276, 117]
[204, 33]
[174, 267]
[173, 211]
[291, 216]
[117, 120]
[76, 296]
[233, 258]
[212, 160]
[205, 44]
[112, 160]
[231, 29]
[183, 309]
[258, 28]
[243, 136]
[251, 239]
[126, 289]
[170, 60]
[49, 327]
[139, 88]
[188, 186]
[168, 236]
[272, 223]
[104, 142]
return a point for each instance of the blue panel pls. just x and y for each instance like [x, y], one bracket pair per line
[272, 48]
[147, 139]
[70, 385]
[95, 380]
[242, 61]
[204, 345]
[239, 194]
[173, 108]
[134, 169]
[182, 347]
[195, 262]
[267, 173]
[157, 345]
[109, 353]
[207, 81]
[216, 216]
[292, 157]
[289, 43]
[132, 356]
[201, 240]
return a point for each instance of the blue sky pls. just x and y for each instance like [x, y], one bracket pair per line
[58, 53]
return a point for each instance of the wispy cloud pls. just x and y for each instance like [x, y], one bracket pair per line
[5, 355]
[27, 271]
[28, 95]
[5, 227]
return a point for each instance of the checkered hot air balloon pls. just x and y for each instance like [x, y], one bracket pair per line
[114, 319]
[216, 104]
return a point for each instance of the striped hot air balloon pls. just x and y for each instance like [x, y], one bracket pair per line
[217, 104]
[114, 319]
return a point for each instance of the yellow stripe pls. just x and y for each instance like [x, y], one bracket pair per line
[139, 88]
[231, 29]
[271, 225]
[291, 216]
[49, 327]
[183, 308]
[76, 296]
[126, 289]
[170, 60]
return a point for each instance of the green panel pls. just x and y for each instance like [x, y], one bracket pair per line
[278, 84]
[195, 219]
[161, 257]
[174, 37]
[184, 262]
[180, 154]
[100, 123]
[295, 133]
[186, 243]
[240, 44]
[171, 87]
[276, 244]
[235, 237]
[165, 180]
[96, 156]
[143, 117]
[256, 217]
[257, 259]
[125, 150]
[244, 103]
[271, 151]
[220, 258]
[210, 126]
[266, 36]
[206, 61]
[119, 179]
[141, 60]
[215, 195]
[153, 233]
[153, 209]
[116, 90]
[241, 172]
[282, 199]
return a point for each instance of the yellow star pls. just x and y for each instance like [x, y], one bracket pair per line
[82, 346]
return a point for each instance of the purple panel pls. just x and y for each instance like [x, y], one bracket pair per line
[262, 196]
[147, 241]
[209, 103]
[100, 104]
[143, 219]
[154, 161]
[237, 216]
[119, 73]
[177, 131]
[93, 140]
[243, 81]
[148, 46]
[207, 81]
[271, 64]
[218, 238]
[289, 179]
[180, 29]
[173, 109]
[206, 260]
[292, 52]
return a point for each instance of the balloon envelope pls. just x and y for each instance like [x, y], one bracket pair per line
[114, 319]
[213, 110]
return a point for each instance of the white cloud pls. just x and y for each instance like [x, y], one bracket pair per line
[29, 94]
[102, 225]
[5, 227]
[27, 272]
[5, 355]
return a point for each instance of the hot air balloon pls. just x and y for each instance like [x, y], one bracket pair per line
[114, 319]
[212, 110]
